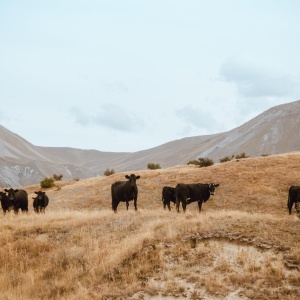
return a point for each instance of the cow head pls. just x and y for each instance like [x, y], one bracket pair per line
[212, 187]
[132, 179]
[11, 193]
[40, 195]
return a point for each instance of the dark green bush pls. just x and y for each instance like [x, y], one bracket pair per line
[47, 183]
[152, 166]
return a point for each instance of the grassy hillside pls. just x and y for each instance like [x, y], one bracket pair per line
[244, 245]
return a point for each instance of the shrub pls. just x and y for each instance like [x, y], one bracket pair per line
[194, 162]
[152, 166]
[202, 162]
[109, 172]
[57, 177]
[241, 155]
[226, 158]
[205, 162]
[47, 183]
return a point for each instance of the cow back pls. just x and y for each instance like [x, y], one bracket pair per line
[21, 199]
[198, 191]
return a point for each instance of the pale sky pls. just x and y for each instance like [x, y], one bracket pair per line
[129, 75]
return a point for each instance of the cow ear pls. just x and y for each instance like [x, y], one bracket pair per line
[43, 193]
[216, 185]
[138, 177]
[16, 191]
[127, 176]
[6, 190]
[36, 192]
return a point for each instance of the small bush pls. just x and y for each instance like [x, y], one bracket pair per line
[152, 166]
[205, 162]
[241, 155]
[202, 162]
[194, 162]
[226, 158]
[57, 177]
[109, 172]
[47, 183]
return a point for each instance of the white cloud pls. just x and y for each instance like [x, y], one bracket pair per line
[198, 118]
[254, 79]
[110, 116]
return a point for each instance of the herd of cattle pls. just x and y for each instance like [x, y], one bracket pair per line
[17, 199]
[126, 191]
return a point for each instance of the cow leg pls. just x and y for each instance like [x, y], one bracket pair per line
[297, 206]
[184, 205]
[127, 205]
[169, 207]
[177, 204]
[290, 205]
[114, 206]
[199, 205]
[135, 204]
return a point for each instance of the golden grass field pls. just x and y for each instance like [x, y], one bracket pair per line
[243, 245]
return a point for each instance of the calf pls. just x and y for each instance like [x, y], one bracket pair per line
[124, 191]
[19, 199]
[294, 198]
[6, 204]
[168, 195]
[40, 202]
[188, 193]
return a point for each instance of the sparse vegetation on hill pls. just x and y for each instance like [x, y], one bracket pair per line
[226, 159]
[243, 244]
[58, 177]
[241, 155]
[201, 162]
[109, 172]
[152, 166]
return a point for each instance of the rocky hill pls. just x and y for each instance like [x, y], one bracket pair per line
[273, 132]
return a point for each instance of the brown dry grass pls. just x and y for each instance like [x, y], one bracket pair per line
[244, 244]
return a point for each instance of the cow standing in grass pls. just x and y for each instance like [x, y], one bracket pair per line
[40, 202]
[6, 204]
[168, 195]
[19, 198]
[294, 198]
[188, 193]
[124, 191]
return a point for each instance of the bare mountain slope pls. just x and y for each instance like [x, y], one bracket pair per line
[272, 132]
[275, 131]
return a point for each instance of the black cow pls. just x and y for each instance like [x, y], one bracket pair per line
[19, 199]
[6, 204]
[168, 195]
[294, 197]
[124, 191]
[188, 193]
[40, 202]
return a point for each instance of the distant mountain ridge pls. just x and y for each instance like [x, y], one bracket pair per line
[275, 131]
